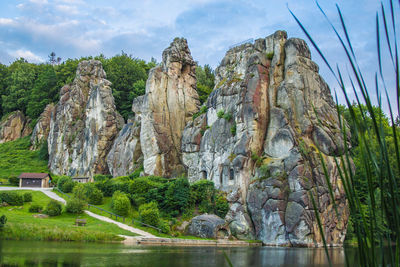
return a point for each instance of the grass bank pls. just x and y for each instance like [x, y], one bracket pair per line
[17, 158]
[21, 225]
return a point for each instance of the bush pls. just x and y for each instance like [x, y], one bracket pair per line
[136, 173]
[68, 186]
[11, 198]
[35, 208]
[164, 226]
[142, 185]
[220, 113]
[177, 196]
[13, 180]
[3, 221]
[27, 197]
[106, 187]
[65, 184]
[53, 208]
[120, 203]
[79, 191]
[75, 205]
[149, 214]
[94, 195]
[221, 206]
[101, 177]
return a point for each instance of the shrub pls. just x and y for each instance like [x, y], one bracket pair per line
[227, 116]
[53, 208]
[136, 173]
[149, 214]
[68, 186]
[79, 191]
[164, 226]
[27, 197]
[120, 203]
[75, 205]
[142, 185]
[220, 113]
[3, 221]
[12, 198]
[221, 206]
[270, 55]
[106, 187]
[203, 195]
[233, 129]
[13, 180]
[177, 196]
[95, 196]
[35, 208]
[101, 177]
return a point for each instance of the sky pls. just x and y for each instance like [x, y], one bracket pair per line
[32, 29]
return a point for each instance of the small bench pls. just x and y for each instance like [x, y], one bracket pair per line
[80, 222]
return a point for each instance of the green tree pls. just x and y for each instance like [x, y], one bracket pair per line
[21, 81]
[205, 81]
[44, 91]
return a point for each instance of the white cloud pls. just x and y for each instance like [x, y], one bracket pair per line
[5, 21]
[72, 10]
[26, 54]
[39, 2]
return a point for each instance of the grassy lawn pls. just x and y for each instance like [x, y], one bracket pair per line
[22, 225]
[17, 158]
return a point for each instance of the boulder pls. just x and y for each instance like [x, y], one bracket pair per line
[259, 141]
[170, 101]
[84, 124]
[13, 126]
[208, 226]
[42, 127]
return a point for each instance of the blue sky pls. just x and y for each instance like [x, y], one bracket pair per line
[74, 28]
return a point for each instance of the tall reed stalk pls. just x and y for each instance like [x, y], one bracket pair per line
[375, 247]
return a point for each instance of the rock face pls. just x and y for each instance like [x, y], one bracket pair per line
[84, 125]
[13, 126]
[42, 127]
[169, 103]
[208, 226]
[126, 154]
[259, 141]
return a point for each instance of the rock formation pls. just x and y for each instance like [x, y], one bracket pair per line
[42, 127]
[126, 154]
[13, 126]
[208, 226]
[169, 103]
[267, 118]
[84, 125]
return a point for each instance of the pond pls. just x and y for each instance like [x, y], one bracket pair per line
[29, 253]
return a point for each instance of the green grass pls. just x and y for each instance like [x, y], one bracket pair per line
[17, 158]
[21, 225]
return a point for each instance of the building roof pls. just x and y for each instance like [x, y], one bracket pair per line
[27, 175]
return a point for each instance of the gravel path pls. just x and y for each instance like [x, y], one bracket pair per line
[51, 194]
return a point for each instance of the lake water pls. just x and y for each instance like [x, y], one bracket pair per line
[24, 253]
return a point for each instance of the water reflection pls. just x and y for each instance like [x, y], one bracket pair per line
[23, 253]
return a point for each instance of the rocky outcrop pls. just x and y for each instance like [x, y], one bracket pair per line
[13, 126]
[269, 116]
[42, 127]
[208, 226]
[84, 125]
[126, 154]
[170, 101]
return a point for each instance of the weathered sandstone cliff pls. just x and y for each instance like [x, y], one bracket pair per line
[168, 105]
[13, 126]
[267, 118]
[84, 125]
[42, 127]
